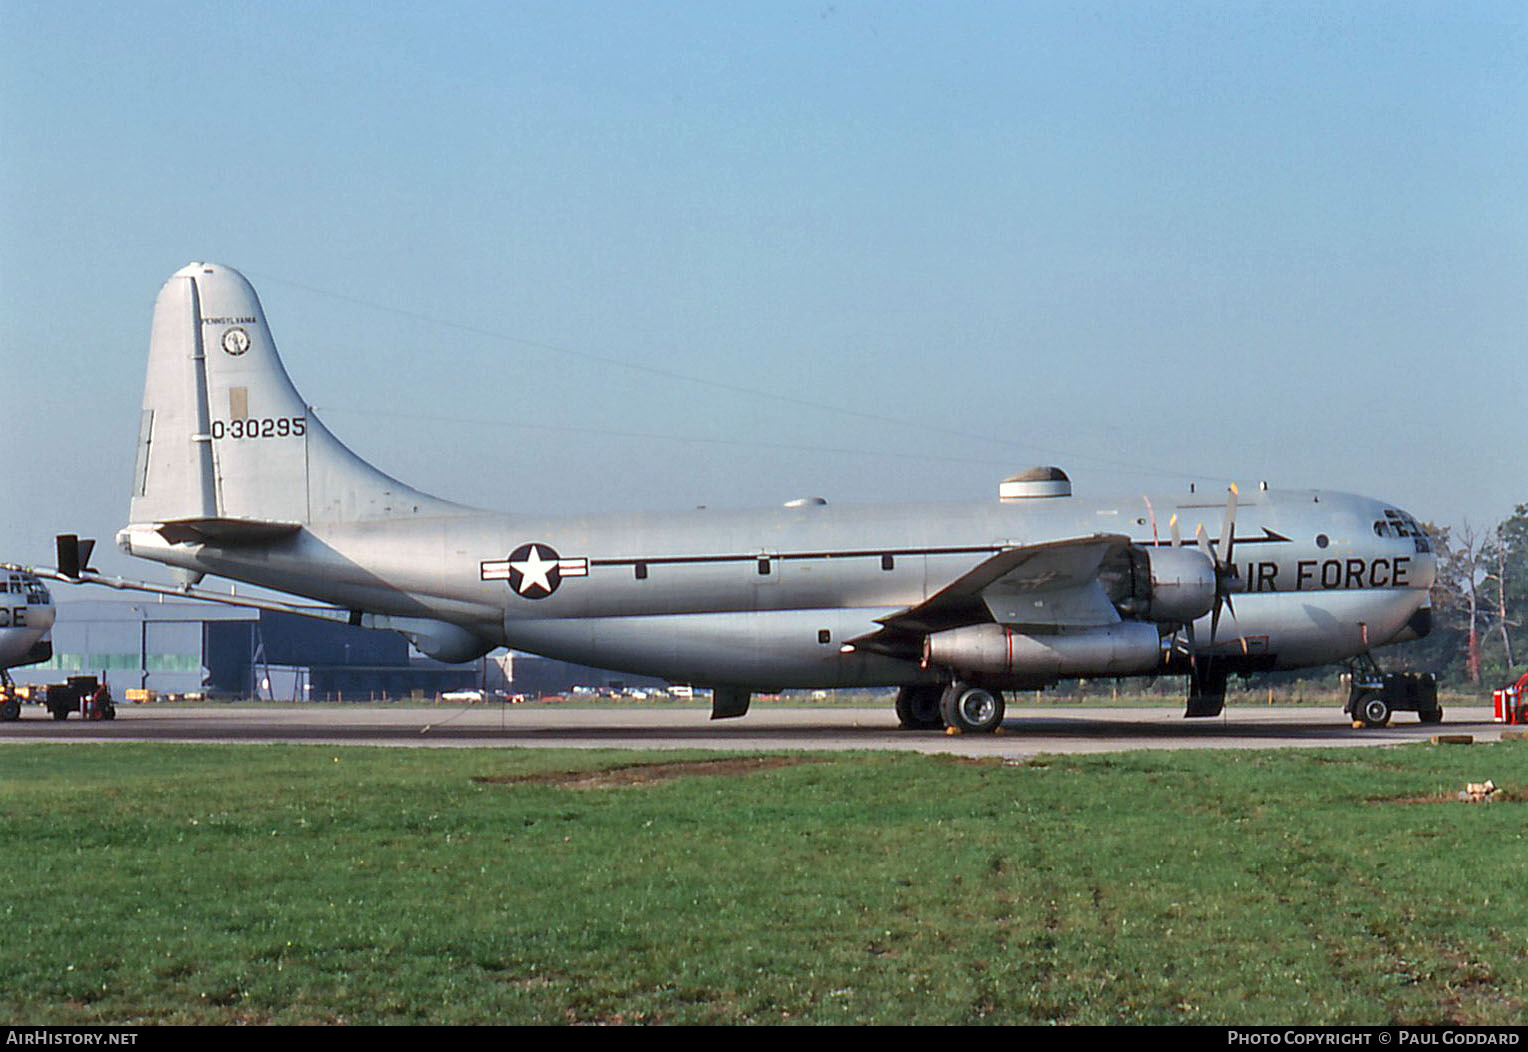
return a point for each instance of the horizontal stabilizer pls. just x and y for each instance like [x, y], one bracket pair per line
[225, 531]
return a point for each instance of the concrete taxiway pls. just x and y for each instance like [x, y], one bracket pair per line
[1026, 732]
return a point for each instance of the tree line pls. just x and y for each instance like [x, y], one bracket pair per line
[1479, 605]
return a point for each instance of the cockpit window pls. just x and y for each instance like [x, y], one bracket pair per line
[1399, 524]
[27, 585]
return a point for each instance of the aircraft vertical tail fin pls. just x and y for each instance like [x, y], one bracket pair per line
[224, 434]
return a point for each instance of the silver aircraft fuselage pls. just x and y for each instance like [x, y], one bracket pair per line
[237, 477]
[770, 598]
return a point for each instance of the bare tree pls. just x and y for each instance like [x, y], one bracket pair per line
[1461, 576]
[1496, 558]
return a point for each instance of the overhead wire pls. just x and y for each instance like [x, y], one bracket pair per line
[721, 385]
[652, 435]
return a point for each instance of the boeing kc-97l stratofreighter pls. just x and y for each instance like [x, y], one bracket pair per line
[953, 604]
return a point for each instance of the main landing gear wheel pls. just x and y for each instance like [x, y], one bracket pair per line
[971, 709]
[918, 707]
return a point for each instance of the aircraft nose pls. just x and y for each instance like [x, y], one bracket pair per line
[1403, 541]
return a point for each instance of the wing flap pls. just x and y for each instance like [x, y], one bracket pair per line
[1056, 588]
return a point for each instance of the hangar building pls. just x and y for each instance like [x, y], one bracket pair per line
[178, 646]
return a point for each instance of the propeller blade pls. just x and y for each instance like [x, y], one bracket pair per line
[1172, 526]
[1228, 527]
[1240, 637]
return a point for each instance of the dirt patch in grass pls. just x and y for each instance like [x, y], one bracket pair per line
[1452, 798]
[1473, 993]
[646, 773]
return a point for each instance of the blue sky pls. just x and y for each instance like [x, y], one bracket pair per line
[581, 257]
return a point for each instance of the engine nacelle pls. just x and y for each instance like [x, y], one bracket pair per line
[1165, 585]
[1182, 585]
[1109, 650]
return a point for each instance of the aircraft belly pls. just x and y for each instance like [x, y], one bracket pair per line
[14, 644]
[1300, 629]
[763, 650]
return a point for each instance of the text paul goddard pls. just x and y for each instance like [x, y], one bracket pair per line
[1372, 1038]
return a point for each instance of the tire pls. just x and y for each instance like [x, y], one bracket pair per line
[918, 707]
[10, 709]
[1432, 715]
[1373, 709]
[60, 714]
[971, 709]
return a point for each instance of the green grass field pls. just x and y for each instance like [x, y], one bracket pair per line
[286, 884]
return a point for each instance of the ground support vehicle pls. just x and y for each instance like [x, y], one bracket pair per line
[1374, 696]
[1511, 703]
[86, 695]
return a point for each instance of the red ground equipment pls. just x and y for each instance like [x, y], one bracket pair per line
[1512, 702]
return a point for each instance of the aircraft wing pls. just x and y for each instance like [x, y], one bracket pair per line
[1039, 587]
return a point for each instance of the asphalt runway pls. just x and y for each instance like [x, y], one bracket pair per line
[767, 728]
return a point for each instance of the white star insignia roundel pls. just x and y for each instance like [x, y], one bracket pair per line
[534, 570]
